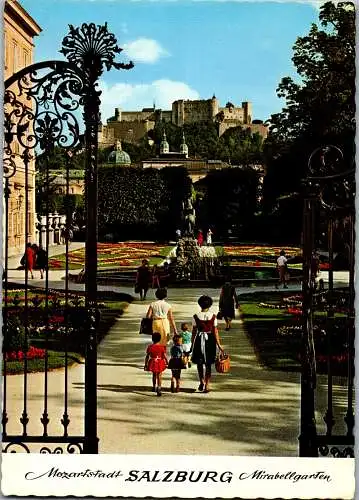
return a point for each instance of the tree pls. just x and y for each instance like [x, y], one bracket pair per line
[229, 200]
[320, 106]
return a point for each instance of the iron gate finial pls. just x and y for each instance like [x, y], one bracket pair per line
[91, 47]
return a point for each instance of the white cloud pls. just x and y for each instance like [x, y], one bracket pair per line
[133, 97]
[144, 50]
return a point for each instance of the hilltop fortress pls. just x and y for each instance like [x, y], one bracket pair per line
[131, 126]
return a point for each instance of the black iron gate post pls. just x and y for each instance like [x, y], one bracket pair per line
[329, 193]
[101, 49]
[307, 438]
[42, 102]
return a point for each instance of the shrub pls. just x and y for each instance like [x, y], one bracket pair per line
[14, 340]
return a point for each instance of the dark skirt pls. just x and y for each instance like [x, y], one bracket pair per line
[210, 350]
[227, 309]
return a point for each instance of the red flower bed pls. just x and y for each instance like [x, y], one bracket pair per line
[32, 353]
[56, 319]
[295, 311]
[324, 266]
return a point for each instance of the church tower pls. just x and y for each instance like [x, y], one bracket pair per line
[164, 147]
[184, 147]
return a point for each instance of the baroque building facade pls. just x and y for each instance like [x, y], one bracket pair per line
[19, 32]
[131, 126]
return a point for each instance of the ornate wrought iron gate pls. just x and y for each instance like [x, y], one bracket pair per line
[328, 209]
[43, 105]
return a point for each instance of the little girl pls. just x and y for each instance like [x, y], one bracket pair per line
[156, 362]
[176, 363]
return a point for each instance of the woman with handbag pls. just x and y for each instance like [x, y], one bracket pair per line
[205, 338]
[161, 314]
[228, 302]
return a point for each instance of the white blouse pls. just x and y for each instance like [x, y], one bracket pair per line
[204, 316]
[160, 309]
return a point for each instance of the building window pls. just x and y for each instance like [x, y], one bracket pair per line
[6, 50]
[26, 59]
[15, 56]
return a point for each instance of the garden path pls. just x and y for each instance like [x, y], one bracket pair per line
[251, 410]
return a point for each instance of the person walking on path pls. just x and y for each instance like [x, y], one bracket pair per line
[200, 238]
[205, 338]
[282, 269]
[41, 260]
[28, 259]
[228, 302]
[143, 279]
[161, 314]
[156, 280]
[176, 363]
[209, 237]
[156, 362]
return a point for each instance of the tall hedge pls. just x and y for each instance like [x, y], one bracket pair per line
[141, 203]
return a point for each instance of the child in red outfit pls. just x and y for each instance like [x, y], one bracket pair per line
[156, 362]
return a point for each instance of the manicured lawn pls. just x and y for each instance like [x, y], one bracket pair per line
[275, 334]
[114, 255]
[261, 324]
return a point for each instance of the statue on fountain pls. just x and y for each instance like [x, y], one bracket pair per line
[188, 218]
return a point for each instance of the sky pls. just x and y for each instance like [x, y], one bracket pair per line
[186, 49]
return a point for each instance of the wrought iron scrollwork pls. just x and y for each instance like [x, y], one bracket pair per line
[42, 110]
[336, 452]
[11, 447]
[71, 448]
[335, 183]
[21, 447]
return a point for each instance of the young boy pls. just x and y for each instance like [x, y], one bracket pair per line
[186, 336]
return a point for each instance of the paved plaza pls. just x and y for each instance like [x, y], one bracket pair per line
[249, 411]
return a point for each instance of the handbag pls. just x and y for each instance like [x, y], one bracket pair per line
[137, 288]
[222, 363]
[146, 326]
[219, 315]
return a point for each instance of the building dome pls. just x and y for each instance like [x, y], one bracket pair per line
[184, 147]
[118, 156]
[164, 147]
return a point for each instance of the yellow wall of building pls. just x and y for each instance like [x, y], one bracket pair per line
[19, 30]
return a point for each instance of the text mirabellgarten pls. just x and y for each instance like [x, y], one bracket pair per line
[291, 476]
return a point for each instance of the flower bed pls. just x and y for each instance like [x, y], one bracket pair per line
[32, 353]
[114, 254]
[260, 251]
[57, 324]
